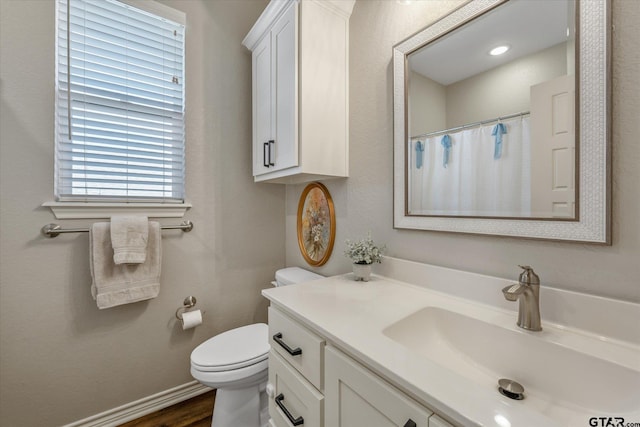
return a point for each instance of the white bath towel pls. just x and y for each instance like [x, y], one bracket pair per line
[129, 235]
[113, 284]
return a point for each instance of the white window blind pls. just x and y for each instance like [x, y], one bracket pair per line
[119, 103]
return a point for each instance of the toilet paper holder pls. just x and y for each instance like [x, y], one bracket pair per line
[188, 302]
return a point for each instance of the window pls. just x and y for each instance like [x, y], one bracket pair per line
[119, 102]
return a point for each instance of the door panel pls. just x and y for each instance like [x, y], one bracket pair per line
[356, 397]
[261, 60]
[553, 142]
[284, 58]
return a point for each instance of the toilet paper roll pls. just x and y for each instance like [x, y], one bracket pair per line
[191, 319]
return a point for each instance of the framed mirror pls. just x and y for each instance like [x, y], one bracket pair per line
[514, 144]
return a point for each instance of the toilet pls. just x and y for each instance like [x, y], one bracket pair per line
[235, 363]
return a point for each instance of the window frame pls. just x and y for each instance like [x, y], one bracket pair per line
[101, 206]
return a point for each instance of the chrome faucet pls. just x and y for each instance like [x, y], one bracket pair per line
[527, 292]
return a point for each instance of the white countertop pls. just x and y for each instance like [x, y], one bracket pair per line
[353, 315]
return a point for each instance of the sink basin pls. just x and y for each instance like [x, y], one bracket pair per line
[552, 374]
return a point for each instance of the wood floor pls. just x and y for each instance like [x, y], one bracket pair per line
[195, 412]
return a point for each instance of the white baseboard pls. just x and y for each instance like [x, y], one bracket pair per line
[131, 411]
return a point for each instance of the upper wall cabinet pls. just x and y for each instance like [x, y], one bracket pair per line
[300, 85]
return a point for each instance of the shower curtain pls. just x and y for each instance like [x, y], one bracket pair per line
[472, 182]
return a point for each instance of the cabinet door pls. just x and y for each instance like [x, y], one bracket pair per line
[356, 397]
[284, 54]
[262, 105]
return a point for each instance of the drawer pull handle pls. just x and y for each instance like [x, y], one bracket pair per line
[294, 421]
[270, 162]
[292, 351]
[410, 423]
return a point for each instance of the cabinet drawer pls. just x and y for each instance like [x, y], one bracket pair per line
[297, 345]
[295, 394]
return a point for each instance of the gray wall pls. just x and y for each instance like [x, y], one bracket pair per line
[364, 201]
[61, 358]
[427, 105]
[503, 90]
[493, 93]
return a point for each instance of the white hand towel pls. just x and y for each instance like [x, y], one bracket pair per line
[113, 284]
[129, 235]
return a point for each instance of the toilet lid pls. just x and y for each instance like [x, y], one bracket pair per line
[233, 349]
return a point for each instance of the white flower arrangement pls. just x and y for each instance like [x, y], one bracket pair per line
[364, 251]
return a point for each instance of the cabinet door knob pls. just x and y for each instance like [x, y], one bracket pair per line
[292, 351]
[410, 423]
[271, 142]
[294, 421]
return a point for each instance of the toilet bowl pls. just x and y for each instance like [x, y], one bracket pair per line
[235, 363]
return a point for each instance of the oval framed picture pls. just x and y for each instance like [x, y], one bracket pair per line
[316, 224]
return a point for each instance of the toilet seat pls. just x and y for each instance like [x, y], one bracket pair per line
[233, 379]
[232, 350]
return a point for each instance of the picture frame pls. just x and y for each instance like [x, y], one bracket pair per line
[316, 223]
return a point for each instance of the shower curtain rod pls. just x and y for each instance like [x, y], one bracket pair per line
[470, 125]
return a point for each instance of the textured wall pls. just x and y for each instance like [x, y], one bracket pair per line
[61, 358]
[364, 200]
[427, 105]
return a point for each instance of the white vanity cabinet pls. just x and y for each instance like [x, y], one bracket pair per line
[300, 90]
[317, 385]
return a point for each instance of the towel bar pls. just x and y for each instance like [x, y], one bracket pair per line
[52, 230]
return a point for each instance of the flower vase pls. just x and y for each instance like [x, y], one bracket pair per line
[362, 272]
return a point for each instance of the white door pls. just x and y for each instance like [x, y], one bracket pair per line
[262, 105]
[284, 145]
[553, 154]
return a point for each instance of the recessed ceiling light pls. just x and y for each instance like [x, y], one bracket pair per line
[498, 50]
[403, 1]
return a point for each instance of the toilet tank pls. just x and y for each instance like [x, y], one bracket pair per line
[292, 275]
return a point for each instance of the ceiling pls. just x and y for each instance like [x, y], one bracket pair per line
[527, 26]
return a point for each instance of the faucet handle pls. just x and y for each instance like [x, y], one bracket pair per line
[512, 292]
[528, 276]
